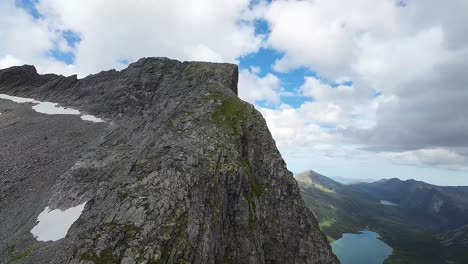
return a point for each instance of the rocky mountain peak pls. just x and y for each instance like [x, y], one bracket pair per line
[180, 171]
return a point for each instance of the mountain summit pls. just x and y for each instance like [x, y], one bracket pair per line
[177, 170]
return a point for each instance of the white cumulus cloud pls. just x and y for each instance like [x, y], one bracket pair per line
[254, 88]
[439, 157]
[115, 30]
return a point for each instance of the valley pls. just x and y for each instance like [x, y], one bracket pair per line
[423, 223]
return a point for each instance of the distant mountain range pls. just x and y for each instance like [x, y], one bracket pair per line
[345, 180]
[423, 223]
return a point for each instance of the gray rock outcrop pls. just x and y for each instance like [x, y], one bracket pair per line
[182, 171]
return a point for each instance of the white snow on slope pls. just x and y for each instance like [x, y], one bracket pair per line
[54, 224]
[49, 108]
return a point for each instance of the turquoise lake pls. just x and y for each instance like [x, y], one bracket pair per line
[365, 247]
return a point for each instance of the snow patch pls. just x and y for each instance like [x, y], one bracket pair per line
[54, 224]
[437, 205]
[49, 108]
[388, 203]
[53, 109]
[16, 99]
[92, 118]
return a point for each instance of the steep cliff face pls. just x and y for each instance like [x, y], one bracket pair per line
[181, 171]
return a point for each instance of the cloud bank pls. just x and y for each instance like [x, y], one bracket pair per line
[385, 77]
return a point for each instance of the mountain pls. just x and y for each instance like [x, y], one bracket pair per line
[411, 216]
[435, 207]
[458, 236]
[345, 180]
[175, 168]
[455, 242]
[330, 202]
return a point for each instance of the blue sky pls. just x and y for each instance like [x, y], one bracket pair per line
[29, 6]
[349, 89]
[67, 57]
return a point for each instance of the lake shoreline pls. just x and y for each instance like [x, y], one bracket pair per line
[363, 247]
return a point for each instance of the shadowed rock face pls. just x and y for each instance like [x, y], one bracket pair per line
[182, 171]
